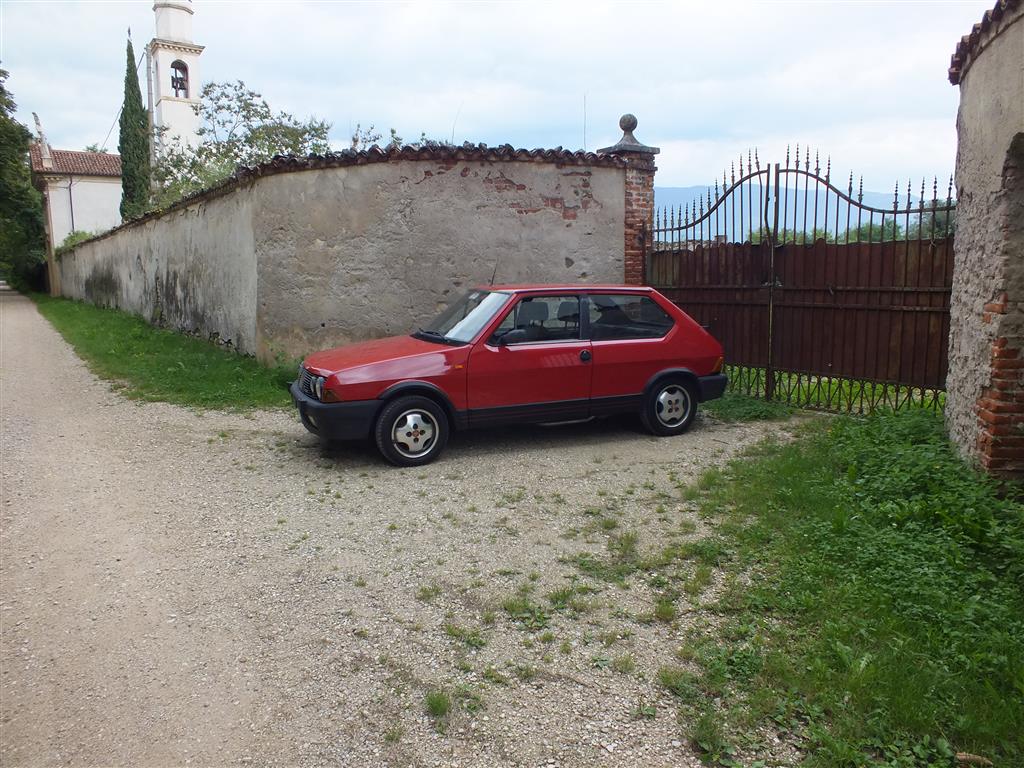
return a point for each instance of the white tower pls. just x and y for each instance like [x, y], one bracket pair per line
[173, 73]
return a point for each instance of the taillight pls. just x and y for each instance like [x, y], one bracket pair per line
[719, 363]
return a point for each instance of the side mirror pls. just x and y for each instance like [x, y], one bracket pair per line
[515, 336]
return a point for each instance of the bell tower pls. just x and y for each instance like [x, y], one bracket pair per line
[172, 71]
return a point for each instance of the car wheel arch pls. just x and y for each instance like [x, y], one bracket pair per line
[423, 389]
[684, 375]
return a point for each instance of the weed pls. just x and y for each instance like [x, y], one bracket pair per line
[681, 683]
[359, 581]
[428, 593]
[438, 704]
[565, 648]
[528, 614]
[469, 637]
[394, 734]
[492, 675]
[665, 610]
[624, 664]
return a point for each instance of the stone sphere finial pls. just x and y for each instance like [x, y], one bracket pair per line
[628, 142]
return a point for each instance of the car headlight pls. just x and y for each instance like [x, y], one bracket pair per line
[318, 387]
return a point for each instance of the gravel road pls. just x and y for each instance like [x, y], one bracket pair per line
[183, 588]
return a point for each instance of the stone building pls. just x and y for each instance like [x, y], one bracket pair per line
[985, 400]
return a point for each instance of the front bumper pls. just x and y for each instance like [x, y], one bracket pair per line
[712, 387]
[335, 421]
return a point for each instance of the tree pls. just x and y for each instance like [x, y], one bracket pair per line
[95, 148]
[237, 128]
[133, 145]
[22, 239]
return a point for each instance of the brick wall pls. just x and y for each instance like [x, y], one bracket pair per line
[639, 217]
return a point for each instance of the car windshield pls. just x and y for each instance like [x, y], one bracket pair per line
[464, 318]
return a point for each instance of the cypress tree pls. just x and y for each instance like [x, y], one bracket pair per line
[133, 145]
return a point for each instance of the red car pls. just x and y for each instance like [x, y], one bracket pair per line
[514, 354]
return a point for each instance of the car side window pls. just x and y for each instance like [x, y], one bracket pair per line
[541, 318]
[625, 316]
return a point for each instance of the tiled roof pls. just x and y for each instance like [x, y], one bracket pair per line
[968, 44]
[69, 162]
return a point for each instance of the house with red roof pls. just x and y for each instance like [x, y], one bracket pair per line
[81, 190]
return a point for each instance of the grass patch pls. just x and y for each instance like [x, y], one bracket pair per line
[884, 621]
[733, 406]
[155, 364]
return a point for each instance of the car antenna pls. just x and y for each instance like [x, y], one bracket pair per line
[494, 272]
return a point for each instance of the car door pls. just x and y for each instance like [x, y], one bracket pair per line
[534, 366]
[630, 337]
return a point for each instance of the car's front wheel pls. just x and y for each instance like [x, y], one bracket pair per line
[411, 431]
[670, 408]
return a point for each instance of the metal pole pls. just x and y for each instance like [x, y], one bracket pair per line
[769, 377]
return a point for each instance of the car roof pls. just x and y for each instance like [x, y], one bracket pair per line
[570, 288]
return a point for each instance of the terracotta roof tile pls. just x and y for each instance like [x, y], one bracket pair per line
[68, 162]
[968, 44]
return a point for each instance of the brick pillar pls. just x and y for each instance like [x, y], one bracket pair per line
[639, 190]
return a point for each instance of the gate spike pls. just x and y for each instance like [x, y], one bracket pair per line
[935, 192]
[817, 164]
[860, 190]
[716, 190]
[896, 197]
[796, 159]
[749, 167]
[828, 168]
[949, 190]
[732, 171]
[757, 162]
[920, 203]
[787, 155]
[709, 198]
[849, 191]
[725, 182]
[908, 194]
[807, 158]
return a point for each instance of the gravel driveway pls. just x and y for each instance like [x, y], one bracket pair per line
[217, 589]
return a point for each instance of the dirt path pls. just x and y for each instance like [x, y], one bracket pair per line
[214, 589]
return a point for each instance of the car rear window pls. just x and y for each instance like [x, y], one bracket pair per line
[627, 316]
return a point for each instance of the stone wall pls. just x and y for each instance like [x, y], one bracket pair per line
[985, 394]
[302, 254]
[192, 269]
[373, 250]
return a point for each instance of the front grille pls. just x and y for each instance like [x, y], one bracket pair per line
[306, 382]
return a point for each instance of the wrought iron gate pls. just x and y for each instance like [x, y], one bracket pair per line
[819, 299]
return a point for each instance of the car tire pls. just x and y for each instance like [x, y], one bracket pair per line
[411, 431]
[669, 408]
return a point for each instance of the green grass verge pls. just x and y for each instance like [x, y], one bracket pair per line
[733, 406]
[884, 623]
[154, 364]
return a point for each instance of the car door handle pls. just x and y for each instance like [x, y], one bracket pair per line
[585, 355]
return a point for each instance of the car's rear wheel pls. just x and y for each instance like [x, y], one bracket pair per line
[670, 408]
[411, 431]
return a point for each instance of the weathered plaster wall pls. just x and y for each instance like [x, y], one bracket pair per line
[193, 269]
[983, 410]
[371, 250]
[301, 254]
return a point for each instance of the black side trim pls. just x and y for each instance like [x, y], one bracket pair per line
[606, 406]
[563, 410]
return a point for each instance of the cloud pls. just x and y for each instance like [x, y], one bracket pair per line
[864, 81]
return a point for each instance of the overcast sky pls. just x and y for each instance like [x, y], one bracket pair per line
[863, 81]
